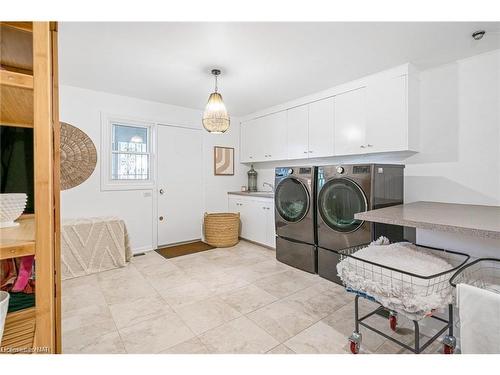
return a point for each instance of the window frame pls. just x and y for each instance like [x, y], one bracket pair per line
[107, 152]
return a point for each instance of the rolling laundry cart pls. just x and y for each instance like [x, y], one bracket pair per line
[399, 283]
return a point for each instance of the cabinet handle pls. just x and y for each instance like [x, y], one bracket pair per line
[369, 145]
[311, 152]
[362, 146]
[269, 155]
[305, 152]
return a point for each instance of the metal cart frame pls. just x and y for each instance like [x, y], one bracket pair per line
[449, 342]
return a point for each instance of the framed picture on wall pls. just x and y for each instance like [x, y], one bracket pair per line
[223, 161]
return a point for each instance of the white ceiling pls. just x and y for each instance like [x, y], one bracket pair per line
[263, 64]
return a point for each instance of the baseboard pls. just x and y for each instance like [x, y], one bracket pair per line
[142, 249]
[257, 243]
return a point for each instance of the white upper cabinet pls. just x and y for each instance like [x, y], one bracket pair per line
[248, 141]
[264, 138]
[321, 128]
[274, 136]
[298, 132]
[374, 114]
[310, 130]
[350, 122]
[387, 115]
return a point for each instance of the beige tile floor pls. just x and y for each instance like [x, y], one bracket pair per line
[233, 300]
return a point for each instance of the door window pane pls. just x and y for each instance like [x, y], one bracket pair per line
[130, 138]
[130, 167]
[130, 159]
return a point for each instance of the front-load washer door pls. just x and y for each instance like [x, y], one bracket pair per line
[338, 200]
[292, 202]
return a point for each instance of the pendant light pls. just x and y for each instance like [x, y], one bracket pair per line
[215, 118]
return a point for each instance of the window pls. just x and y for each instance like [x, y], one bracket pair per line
[130, 158]
[127, 154]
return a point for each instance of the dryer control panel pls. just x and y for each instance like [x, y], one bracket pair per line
[287, 171]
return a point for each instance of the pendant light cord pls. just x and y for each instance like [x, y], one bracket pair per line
[215, 82]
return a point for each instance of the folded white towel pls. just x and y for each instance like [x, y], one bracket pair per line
[479, 312]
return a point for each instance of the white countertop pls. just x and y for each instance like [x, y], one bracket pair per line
[475, 220]
[260, 194]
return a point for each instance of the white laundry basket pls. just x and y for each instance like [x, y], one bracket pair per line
[4, 305]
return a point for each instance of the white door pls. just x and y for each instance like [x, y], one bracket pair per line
[321, 128]
[297, 132]
[387, 120]
[180, 193]
[350, 122]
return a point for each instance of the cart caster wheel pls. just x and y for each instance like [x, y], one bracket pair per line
[449, 344]
[354, 346]
[448, 349]
[355, 342]
[393, 322]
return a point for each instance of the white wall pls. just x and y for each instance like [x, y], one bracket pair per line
[459, 158]
[82, 108]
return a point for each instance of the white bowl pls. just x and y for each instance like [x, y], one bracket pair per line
[4, 305]
[12, 206]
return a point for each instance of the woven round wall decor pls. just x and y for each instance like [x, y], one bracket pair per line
[78, 156]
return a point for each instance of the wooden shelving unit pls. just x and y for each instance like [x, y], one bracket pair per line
[29, 98]
[19, 331]
[18, 241]
[16, 74]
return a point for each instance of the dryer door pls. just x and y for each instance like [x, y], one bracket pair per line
[338, 200]
[291, 200]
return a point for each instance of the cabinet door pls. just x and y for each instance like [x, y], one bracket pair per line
[232, 205]
[270, 225]
[247, 225]
[297, 125]
[253, 221]
[350, 122]
[249, 144]
[321, 128]
[273, 136]
[387, 119]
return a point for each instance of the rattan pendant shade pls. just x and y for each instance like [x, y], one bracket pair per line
[215, 117]
[78, 156]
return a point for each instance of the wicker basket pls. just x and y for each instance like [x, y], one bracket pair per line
[222, 229]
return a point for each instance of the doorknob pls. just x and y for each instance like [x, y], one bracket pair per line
[162, 191]
[161, 218]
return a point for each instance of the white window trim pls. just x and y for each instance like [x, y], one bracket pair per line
[107, 183]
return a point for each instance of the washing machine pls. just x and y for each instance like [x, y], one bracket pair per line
[344, 190]
[295, 211]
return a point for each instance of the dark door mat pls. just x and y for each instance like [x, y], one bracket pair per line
[185, 249]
